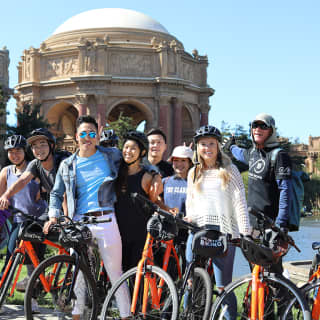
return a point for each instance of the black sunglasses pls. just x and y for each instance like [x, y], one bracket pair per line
[260, 125]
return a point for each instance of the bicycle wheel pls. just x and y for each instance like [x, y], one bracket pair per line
[9, 278]
[168, 299]
[310, 291]
[55, 304]
[198, 297]
[234, 303]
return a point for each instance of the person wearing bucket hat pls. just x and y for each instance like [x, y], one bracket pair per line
[27, 200]
[216, 199]
[175, 186]
[175, 193]
[44, 167]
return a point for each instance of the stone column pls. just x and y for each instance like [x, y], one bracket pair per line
[177, 122]
[163, 53]
[204, 118]
[81, 104]
[34, 64]
[164, 106]
[101, 110]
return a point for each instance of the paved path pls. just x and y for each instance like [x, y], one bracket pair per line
[16, 312]
[11, 311]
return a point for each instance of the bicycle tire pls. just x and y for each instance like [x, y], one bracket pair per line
[199, 297]
[169, 293]
[10, 276]
[280, 291]
[53, 304]
[310, 291]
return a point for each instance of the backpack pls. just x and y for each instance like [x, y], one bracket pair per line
[297, 194]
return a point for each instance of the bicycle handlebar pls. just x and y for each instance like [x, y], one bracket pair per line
[62, 224]
[270, 224]
[172, 218]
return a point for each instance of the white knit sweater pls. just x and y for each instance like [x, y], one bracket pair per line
[211, 205]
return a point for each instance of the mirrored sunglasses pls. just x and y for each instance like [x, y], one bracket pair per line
[91, 134]
[260, 125]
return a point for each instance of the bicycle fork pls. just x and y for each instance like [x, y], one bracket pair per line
[257, 294]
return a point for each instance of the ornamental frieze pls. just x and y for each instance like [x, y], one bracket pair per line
[131, 64]
[60, 67]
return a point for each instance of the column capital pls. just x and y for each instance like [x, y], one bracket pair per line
[164, 100]
[101, 98]
[81, 98]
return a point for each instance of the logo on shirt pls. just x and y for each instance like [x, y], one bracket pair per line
[176, 190]
[258, 166]
[284, 171]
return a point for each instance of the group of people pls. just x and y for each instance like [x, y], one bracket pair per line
[98, 178]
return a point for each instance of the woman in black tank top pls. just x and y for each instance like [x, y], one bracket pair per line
[132, 220]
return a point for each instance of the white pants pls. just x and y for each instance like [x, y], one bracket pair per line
[108, 238]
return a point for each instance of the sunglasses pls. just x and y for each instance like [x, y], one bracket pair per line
[91, 134]
[260, 125]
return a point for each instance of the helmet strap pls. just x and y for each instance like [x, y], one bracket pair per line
[133, 162]
[50, 152]
[20, 164]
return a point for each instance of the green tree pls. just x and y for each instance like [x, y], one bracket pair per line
[121, 126]
[28, 119]
[242, 139]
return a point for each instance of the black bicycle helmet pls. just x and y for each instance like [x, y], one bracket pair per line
[139, 137]
[207, 131]
[42, 133]
[15, 141]
[109, 138]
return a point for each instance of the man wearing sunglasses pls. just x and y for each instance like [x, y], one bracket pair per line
[269, 186]
[87, 177]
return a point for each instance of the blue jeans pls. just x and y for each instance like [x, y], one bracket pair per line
[223, 268]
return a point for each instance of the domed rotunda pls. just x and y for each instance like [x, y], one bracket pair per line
[109, 61]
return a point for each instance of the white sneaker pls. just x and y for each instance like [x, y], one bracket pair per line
[21, 285]
[34, 306]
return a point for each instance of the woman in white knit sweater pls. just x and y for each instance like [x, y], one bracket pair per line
[216, 196]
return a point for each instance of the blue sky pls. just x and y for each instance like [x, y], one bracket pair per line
[264, 55]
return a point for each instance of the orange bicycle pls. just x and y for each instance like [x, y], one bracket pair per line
[154, 294]
[261, 294]
[30, 231]
[311, 290]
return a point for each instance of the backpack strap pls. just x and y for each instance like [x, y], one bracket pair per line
[274, 154]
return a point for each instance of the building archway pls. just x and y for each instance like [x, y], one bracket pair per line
[134, 109]
[62, 116]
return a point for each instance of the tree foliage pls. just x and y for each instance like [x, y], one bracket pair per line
[242, 139]
[28, 119]
[121, 126]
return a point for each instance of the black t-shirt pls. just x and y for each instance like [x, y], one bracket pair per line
[46, 177]
[263, 191]
[165, 169]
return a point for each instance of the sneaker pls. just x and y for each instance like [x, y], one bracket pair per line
[34, 306]
[21, 285]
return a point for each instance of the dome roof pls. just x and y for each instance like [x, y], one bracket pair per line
[110, 18]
